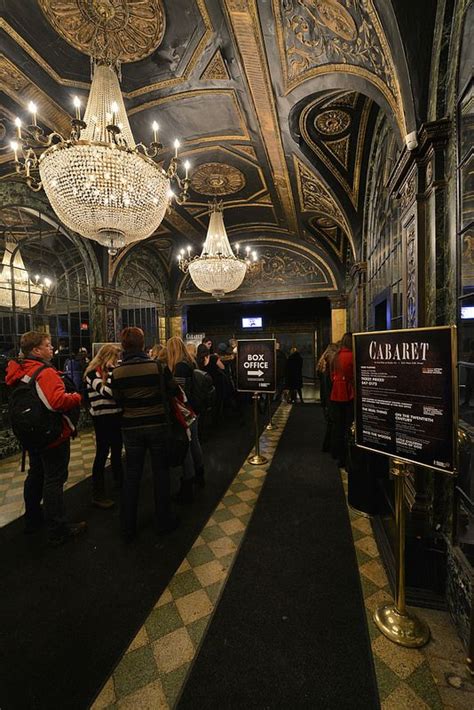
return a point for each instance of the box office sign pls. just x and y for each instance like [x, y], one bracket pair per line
[405, 394]
[256, 360]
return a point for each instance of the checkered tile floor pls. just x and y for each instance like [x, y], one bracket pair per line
[12, 479]
[154, 667]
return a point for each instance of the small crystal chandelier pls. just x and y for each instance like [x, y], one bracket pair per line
[218, 270]
[100, 183]
[17, 287]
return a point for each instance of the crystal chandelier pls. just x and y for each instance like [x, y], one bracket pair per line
[218, 270]
[17, 288]
[100, 183]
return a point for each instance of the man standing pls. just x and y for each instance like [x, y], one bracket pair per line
[48, 470]
[139, 384]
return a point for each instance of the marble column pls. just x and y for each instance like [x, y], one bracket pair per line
[338, 317]
[106, 323]
[177, 321]
[358, 276]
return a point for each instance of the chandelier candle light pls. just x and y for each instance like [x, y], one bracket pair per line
[218, 270]
[100, 183]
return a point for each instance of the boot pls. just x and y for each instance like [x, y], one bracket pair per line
[99, 499]
[185, 493]
[199, 477]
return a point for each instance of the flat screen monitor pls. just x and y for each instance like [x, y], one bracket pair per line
[252, 322]
[467, 312]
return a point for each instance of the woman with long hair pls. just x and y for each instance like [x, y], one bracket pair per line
[106, 417]
[182, 363]
[342, 399]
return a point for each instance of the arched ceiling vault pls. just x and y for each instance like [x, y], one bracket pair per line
[275, 103]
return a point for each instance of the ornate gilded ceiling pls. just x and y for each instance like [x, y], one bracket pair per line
[274, 102]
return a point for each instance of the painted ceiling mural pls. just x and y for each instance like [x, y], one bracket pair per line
[264, 132]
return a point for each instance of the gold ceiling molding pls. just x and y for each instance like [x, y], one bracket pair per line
[329, 235]
[174, 219]
[315, 197]
[159, 85]
[22, 90]
[245, 24]
[153, 103]
[351, 190]
[317, 37]
[348, 99]
[247, 149]
[340, 150]
[332, 122]
[216, 70]
[217, 179]
[130, 29]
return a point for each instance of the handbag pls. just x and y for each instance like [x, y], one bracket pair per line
[177, 439]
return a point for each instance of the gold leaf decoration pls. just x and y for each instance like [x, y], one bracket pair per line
[217, 179]
[128, 29]
[340, 149]
[216, 70]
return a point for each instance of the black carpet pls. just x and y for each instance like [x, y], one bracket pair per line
[68, 614]
[290, 628]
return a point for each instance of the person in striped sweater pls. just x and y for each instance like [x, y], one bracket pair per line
[106, 418]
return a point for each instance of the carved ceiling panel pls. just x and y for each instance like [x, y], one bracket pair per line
[217, 179]
[129, 29]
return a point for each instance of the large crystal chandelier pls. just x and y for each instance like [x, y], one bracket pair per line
[99, 182]
[17, 288]
[218, 270]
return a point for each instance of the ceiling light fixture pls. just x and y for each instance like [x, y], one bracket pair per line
[218, 270]
[100, 183]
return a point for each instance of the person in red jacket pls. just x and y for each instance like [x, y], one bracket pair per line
[48, 469]
[342, 399]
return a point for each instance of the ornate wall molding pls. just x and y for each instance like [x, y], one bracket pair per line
[109, 297]
[323, 36]
[133, 29]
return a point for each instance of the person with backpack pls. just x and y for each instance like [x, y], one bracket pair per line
[42, 415]
[182, 366]
[106, 417]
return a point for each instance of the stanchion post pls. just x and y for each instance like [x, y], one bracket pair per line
[270, 425]
[257, 459]
[393, 620]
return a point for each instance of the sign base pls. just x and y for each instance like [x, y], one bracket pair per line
[404, 629]
[257, 460]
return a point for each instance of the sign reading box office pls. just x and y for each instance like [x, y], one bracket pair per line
[405, 395]
[256, 365]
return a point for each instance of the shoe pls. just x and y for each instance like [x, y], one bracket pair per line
[69, 532]
[199, 478]
[32, 526]
[103, 503]
[170, 523]
[185, 494]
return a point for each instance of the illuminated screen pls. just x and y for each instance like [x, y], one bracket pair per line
[252, 322]
[467, 311]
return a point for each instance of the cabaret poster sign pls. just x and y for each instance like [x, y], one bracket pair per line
[405, 385]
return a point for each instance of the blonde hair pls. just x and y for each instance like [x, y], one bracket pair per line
[177, 352]
[192, 349]
[156, 351]
[106, 357]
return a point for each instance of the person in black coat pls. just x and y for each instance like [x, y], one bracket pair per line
[294, 375]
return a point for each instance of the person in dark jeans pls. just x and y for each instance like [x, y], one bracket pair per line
[48, 470]
[107, 420]
[139, 385]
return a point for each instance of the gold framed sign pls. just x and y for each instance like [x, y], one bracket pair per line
[406, 395]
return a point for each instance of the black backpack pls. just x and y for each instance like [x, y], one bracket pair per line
[203, 391]
[34, 425]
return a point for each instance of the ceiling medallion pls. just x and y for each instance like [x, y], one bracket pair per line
[217, 179]
[133, 29]
[332, 122]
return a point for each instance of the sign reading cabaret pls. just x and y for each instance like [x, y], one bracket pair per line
[256, 360]
[405, 394]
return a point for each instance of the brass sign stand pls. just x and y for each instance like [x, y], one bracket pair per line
[393, 620]
[257, 459]
[270, 426]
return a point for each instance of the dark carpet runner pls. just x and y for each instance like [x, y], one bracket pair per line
[68, 614]
[290, 628]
